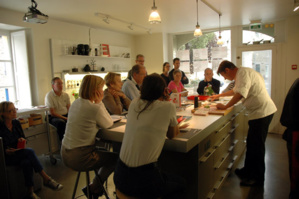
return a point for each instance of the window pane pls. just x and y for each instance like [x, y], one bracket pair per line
[261, 61]
[250, 36]
[6, 74]
[7, 94]
[4, 50]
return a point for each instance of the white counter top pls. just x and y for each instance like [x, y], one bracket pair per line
[200, 127]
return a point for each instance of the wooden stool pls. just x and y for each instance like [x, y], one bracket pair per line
[87, 184]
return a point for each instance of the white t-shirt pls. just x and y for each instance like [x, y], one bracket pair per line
[59, 103]
[251, 85]
[144, 137]
[84, 120]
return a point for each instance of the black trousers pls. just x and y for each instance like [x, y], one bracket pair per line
[255, 154]
[148, 182]
[60, 125]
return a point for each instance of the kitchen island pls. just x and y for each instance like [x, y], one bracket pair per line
[204, 154]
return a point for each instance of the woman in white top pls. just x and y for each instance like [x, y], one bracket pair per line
[150, 119]
[86, 115]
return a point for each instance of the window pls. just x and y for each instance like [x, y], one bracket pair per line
[7, 83]
[14, 71]
[203, 52]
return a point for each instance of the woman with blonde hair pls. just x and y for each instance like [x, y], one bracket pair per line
[12, 133]
[86, 115]
[114, 99]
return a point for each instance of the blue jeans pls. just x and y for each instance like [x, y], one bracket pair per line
[147, 181]
[28, 161]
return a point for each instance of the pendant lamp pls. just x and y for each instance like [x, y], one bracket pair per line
[197, 31]
[220, 41]
[154, 17]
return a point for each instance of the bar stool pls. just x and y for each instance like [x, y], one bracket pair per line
[87, 184]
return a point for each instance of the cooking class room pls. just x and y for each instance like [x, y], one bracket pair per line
[194, 99]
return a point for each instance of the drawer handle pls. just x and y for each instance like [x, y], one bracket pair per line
[222, 141]
[231, 148]
[206, 156]
[222, 160]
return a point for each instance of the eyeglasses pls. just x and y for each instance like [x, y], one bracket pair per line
[13, 110]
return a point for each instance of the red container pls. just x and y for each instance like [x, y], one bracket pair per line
[21, 144]
[203, 97]
[191, 97]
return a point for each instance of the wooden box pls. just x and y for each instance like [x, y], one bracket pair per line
[35, 119]
[24, 123]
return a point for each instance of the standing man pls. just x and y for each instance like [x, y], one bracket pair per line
[140, 59]
[176, 65]
[131, 87]
[208, 80]
[250, 88]
[59, 104]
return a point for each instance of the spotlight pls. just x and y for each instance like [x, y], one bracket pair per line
[131, 27]
[106, 20]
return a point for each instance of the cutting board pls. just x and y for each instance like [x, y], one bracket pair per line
[215, 111]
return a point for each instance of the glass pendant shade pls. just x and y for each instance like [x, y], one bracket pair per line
[154, 18]
[197, 31]
[220, 41]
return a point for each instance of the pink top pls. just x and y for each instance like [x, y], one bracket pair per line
[173, 86]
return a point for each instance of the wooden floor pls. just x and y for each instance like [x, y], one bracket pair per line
[276, 182]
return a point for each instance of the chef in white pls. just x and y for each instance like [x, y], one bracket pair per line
[250, 88]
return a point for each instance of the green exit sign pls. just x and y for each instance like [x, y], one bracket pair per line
[255, 26]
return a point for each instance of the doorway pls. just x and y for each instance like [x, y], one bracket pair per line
[263, 58]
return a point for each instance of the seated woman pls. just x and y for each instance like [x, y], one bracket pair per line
[86, 115]
[150, 119]
[176, 86]
[12, 133]
[114, 99]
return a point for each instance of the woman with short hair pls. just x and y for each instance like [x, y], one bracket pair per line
[150, 119]
[12, 133]
[86, 116]
[114, 99]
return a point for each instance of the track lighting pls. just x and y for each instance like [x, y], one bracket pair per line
[106, 20]
[131, 27]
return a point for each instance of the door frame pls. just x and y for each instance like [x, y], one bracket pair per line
[277, 78]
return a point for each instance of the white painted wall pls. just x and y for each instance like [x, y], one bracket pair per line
[39, 53]
[151, 46]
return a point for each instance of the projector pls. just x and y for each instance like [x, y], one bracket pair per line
[35, 18]
[34, 15]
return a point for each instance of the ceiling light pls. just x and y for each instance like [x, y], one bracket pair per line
[296, 5]
[106, 20]
[220, 41]
[149, 31]
[131, 27]
[154, 17]
[34, 15]
[197, 31]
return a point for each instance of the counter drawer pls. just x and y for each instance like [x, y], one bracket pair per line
[222, 166]
[205, 145]
[205, 174]
[39, 143]
[221, 133]
[222, 148]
